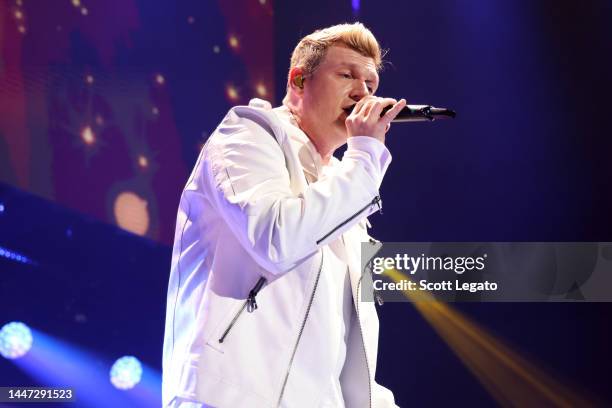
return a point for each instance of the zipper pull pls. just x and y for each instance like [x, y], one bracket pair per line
[376, 201]
[251, 302]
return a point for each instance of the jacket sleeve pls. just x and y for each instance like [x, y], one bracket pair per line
[248, 182]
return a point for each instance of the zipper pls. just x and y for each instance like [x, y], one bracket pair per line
[377, 295]
[314, 289]
[250, 304]
[375, 201]
[363, 342]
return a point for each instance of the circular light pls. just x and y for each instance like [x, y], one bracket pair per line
[261, 89]
[142, 161]
[233, 41]
[88, 136]
[15, 340]
[126, 372]
[232, 93]
[159, 78]
[131, 213]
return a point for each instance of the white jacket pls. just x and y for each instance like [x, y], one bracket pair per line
[252, 234]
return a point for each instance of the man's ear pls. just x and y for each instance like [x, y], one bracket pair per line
[296, 79]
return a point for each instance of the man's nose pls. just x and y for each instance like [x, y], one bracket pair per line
[359, 91]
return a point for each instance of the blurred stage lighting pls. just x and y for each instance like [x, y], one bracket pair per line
[15, 340]
[131, 212]
[126, 372]
[14, 256]
[88, 135]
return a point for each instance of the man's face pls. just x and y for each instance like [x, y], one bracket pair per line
[341, 79]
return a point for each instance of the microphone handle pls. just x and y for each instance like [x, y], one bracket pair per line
[420, 113]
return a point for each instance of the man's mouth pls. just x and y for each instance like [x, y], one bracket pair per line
[348, 109]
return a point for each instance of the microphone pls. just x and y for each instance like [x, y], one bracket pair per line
[420, 113]
[416, 113]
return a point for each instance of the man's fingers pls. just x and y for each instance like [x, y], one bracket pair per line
[366, 117]
[369, 104]
[381, 103]
[361, 105]
[392, 113]
[365, 105]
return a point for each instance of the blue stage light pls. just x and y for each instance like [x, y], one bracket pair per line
[14, 256]
[53, 362]
[126, 372]
[15, 340]
[1, 208]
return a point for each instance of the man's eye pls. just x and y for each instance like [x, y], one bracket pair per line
[347, 76]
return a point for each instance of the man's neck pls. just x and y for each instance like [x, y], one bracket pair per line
[326, 152]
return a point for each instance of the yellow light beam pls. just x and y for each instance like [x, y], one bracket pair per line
[511, 379]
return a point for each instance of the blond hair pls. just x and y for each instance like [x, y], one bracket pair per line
[311, 49]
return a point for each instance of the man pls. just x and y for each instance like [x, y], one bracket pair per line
[264, 296]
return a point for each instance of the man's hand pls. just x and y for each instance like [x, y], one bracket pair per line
[365, 118]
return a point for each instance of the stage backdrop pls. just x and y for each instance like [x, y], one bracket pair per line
[104, 105]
